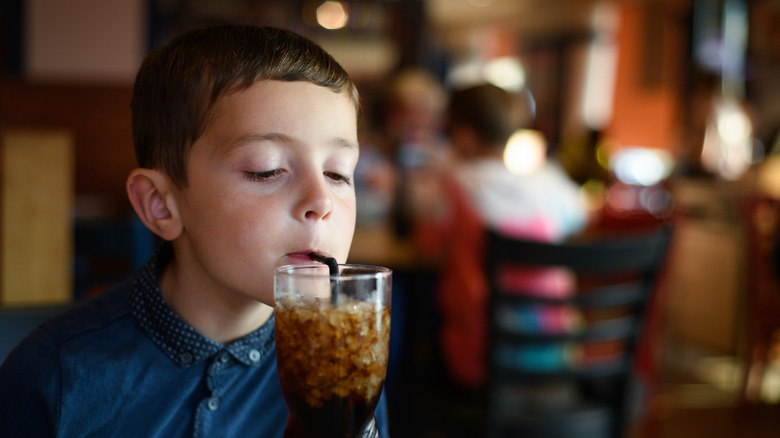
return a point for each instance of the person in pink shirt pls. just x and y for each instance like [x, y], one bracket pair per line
[478, 192]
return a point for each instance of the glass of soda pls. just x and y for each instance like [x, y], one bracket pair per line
[332, 344]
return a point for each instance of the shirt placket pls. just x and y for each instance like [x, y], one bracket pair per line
[208, 413]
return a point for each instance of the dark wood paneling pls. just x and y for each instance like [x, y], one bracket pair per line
[99, 118]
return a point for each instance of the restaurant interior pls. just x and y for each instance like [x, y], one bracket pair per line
[663, 112]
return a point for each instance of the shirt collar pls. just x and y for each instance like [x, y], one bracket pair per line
[180, 341]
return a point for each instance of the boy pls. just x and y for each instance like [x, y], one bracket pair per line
[246, 140]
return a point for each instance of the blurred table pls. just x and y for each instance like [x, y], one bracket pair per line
[414, 313]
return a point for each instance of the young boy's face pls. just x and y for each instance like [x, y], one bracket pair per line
[270, 180]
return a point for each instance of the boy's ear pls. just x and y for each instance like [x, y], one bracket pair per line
[150, 194]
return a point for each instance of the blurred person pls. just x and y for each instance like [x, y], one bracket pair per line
[414, 109]
[412, 126]
[479, 192]
[399, 147]
[376, 178]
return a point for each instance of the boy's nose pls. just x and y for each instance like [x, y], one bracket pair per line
[316, 202]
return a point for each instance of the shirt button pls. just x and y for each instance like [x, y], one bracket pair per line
[213, 403]
[224, 357]
[185, 358]
[254, 355]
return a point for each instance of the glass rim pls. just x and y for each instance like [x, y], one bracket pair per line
[370, 271]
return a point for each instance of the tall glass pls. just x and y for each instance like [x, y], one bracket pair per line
[332, 344]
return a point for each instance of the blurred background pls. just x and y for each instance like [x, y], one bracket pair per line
[659, 110]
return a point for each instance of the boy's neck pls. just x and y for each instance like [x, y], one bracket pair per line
[220, 318]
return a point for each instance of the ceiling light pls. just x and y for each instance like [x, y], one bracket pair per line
[332, 15]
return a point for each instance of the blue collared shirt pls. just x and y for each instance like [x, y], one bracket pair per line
[124, 364]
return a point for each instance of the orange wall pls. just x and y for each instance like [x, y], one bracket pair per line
[646, 114]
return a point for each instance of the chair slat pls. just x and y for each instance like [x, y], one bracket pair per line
[615, 279]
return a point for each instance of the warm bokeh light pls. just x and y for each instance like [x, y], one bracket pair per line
[728, 144]
[603, 151]
[506, 72]
[332, 15]
[525, 151]
[768, 176]
[733, 125]
[593, 193]
[641, 166]
[601, 69]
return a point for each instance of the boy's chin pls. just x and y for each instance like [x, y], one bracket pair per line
[260, 297]
[264, 303]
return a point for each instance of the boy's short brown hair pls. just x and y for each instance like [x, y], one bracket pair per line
[178, 84]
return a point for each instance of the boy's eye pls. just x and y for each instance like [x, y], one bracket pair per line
[338, 177]
[263, 176]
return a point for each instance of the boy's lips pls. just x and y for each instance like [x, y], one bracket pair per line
[303, 256]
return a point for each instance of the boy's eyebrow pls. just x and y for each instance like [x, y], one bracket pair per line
[343, 142]
[278, 137]
[247, 139]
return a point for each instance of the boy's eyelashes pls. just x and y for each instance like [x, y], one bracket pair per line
[263, 176]
[339, 177]
[270, 175]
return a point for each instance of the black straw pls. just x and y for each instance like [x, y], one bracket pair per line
[333, 267]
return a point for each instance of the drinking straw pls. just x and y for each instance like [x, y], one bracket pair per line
[333, 267]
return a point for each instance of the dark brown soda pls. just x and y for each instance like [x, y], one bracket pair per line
[332, 362]
[339, 418]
